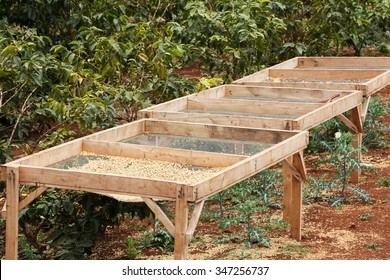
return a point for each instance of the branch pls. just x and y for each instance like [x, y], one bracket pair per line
[24, 108]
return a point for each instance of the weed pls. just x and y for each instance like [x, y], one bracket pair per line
[342, 156]
[366, 217]
[160, 239]
[294, 248]
[131, 246]
[384, 182]
[373, 246]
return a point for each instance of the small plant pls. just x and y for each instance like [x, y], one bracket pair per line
[373, 246]
[342, 156]
[384, 182]
[246, 207]
[160, 239]
[294, 248]
[366, 217]
[374, 127]
[131, 246]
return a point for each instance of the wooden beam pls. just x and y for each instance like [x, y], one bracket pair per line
[287, 189]
[98, 182]
[356, 118]
[181, 224]
[51, 155]
[345, 62]
[357, 141]
[296, 198]
[299, 165]
[309, 85]
[292, 170]
[250, 166]
[217, 131]
[324, 74]
[160, 215]
[223, 119]
[119, 133]
[194, 220]
[348, 123]
[283, 93]
[12, 213]
[251, 106]
[380, 81]
[31, 197]
[187, 157]
[328, 111]
[365, 108]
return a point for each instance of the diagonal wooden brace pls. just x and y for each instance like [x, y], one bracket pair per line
[194, 220]
[183, 230]
[160, 214]
[300, 173]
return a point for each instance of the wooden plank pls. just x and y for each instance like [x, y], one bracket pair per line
[251, 106]
[12, 213]
[3, 173]
[187, 157]
[355, 117]
[345, 62]
[323, 74]
[181, 224]
[97, 182]
[194, 220]
[348, 123]
[222, 119]
[310, 85]
[365, 108]
[258, 76]
[217, 131]
[51, 155]
[173, 105]
[160, 215]
[288, 64]
[250, 166]
[263, 74]
[287, 189]
[328, 111]
[119, 132]
[378, 83]
[270, 92]
[31, 197]
[296, 198]
[215, 92]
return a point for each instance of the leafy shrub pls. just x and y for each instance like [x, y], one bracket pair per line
[374, 128]
[70, 222]
[341, 155]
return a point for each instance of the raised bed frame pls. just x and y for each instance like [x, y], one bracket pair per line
[238, 113]
[34, 171]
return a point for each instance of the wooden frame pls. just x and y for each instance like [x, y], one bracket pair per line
[376, 72]
[248, 106]
[36, 170]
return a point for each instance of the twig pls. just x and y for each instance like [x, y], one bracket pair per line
[24, 108]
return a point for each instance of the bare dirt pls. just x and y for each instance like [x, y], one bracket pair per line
[355, 231]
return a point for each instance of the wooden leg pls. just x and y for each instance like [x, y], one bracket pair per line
[294, 174]
[287, 189]
[181, 224]
[12, 214]
[356, 119]
[296, 197]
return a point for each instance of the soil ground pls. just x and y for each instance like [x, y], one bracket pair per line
[355, 231]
